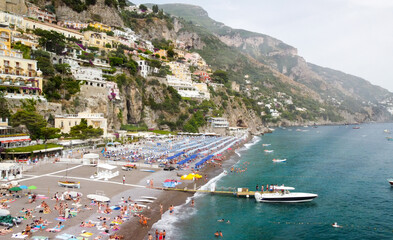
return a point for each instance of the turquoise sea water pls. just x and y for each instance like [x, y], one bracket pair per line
[346, 167]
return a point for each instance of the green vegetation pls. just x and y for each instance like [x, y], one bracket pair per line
[50, 40]
[83, 131]
[34, 122]
[32, 148]
[43, 62]
[23, 48]
[57, 88]
[134, 128]
[4, 110]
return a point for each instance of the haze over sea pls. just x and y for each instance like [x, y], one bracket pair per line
[346, 167]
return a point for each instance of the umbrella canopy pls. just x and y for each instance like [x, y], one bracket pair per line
[23, 186]
[32, 187]
[4, 212]
[15, 189]
[98, 198]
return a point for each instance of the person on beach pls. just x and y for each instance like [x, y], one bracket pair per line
[150, 237]
[171, 209]
[151, 183]
[192, 202]
[124, 179]
[163, 234]
[156, 234]
[161, 209]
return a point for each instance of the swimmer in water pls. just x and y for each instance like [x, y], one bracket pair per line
[220, 220]
[228, 222]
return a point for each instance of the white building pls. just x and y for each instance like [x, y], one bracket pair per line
[92, 76]
[145, 69]
[218, 122]
[67, 121]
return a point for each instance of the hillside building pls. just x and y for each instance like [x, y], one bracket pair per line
[218, 122]
[10, 139]
[19, 77]
[67, 121]
[41, 15]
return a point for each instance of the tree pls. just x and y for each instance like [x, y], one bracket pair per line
[83, 131]
[32, 120]
[170, 53]
[4, 110]
[51, 40]
[63, 68]
[49, 133]
[220, 76]
[43, 62]
[143, 8]
[155, 8]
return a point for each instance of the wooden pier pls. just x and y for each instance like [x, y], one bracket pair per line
[243, 193]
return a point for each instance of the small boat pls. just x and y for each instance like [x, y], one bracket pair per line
[284, 196]
[71, 184]
[268, 151]
[356, 128]
[390, 180]
[266, 144]
[280, 160]
[389, 138]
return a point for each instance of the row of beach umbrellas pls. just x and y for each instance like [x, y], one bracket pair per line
[17, 189]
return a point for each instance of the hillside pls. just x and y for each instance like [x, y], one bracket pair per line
[346, 93]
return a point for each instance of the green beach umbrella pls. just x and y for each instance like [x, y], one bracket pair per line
[32, 187]
[14, 189]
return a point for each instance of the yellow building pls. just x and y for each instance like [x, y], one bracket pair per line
[19, 77]
[95, 39]
[161, 52]
[181, 71]
[66, 122]
[100, 26]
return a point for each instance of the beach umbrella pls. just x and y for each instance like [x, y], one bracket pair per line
[14, 189]
[32, 187]
[23, 187]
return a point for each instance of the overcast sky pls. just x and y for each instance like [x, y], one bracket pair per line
[354, 36]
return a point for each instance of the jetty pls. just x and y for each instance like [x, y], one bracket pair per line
[237, 192]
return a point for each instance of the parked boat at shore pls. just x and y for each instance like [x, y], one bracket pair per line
[283, 195]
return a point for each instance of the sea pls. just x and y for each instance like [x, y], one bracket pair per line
[348, 168]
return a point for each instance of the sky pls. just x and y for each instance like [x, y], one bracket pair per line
[353, 36]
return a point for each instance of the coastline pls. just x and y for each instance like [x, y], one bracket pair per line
[176, 198]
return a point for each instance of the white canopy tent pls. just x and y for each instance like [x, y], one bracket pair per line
[90, 158]
[10, 171]
[105, 171]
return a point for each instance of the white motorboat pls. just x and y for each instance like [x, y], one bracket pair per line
[268, 151]
[283, 195]
[279, 160]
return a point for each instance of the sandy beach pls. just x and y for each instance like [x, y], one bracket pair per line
[45, 175]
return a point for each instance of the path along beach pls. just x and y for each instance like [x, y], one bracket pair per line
[141, 193]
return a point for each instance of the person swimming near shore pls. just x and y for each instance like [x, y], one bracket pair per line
[221, 220]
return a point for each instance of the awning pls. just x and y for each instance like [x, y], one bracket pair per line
[187, 159]
[176, 155]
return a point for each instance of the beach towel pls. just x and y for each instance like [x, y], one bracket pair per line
[115, 208]
[86, 234]
[61, 219]
[55, 229]
[19, 235]
[65, 236]
[40, 238]
[38, 227]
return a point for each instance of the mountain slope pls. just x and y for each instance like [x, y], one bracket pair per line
[345, 92]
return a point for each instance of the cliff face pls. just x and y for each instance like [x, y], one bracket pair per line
[14, 6]
[108, 15]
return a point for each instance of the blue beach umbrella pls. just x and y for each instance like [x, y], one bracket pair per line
[23, 187]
